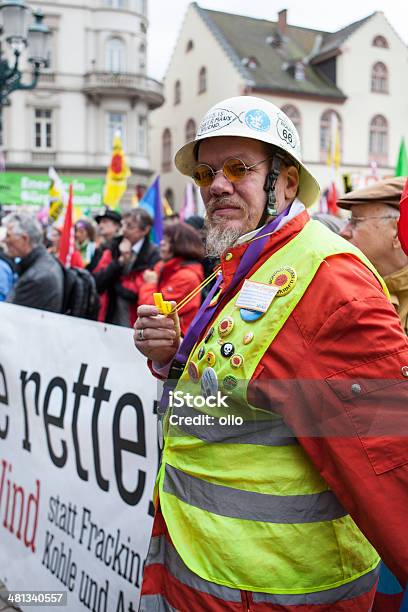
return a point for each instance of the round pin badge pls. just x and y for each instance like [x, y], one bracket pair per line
[285, 278]
[193, 371]
[201, 352]
[250, 315]
[227, 349]
[225, 326]
[249, 336]
[236, 361]
[209, 382]
[229, 383]
[210, 358]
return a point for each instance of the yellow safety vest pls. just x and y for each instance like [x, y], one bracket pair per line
[243, 504]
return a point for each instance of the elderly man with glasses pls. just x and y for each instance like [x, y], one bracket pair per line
[281, 470]
[373, 228]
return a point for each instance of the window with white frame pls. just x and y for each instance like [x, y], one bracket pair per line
[379, 78]
[115, 55]
[378, 140]
[43, 132]
[141, 142]
[115, 125]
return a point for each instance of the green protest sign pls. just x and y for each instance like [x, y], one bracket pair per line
[33, 190]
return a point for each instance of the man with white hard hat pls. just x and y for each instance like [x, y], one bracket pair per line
[285, 406]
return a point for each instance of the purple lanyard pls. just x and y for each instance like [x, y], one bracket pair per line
[205, 313]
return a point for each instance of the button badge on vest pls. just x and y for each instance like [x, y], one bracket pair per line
[209, 382]
[236, 361]
[227, 349]
[193, 371]
[210, 358]
[209, 335]
[225, 326]
[229, 383]
[250, 315]
[201, 352]
[249, 336]
[285, 278]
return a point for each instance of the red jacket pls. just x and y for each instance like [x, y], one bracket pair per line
[337, 374]
[176, 279]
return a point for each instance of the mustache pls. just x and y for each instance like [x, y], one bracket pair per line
[217, 203]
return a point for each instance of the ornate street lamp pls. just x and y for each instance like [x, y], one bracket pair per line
[19, 35]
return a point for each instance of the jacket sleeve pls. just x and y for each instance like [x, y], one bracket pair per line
[353, 420]
[107, 272]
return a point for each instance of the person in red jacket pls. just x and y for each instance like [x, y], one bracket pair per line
[283, 511]
[179, 272]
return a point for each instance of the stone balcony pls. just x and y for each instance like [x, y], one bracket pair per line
[123, 84]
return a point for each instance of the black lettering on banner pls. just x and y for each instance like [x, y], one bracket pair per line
[137, 447]
[4, 400]
[57, 421]
[100, 394]
[80, 390]
[151, 510]
[36, 379]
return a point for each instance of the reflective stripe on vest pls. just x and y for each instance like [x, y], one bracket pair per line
[243, 511]
[161, 552]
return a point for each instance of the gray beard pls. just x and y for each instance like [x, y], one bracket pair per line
[219, 239]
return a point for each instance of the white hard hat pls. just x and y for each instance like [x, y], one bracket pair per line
[255, 118]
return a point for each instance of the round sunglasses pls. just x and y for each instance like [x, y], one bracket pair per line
[234, 169]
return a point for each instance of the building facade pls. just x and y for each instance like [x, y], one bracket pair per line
[95, 84]
[347, 85]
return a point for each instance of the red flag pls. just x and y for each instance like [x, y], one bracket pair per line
[67, 243]
[332, 208]
[403, 219]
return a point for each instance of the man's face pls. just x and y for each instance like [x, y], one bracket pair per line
[18, 245]
[132, 231]
[371, 234]
[108, 228]
[235, 208]
[239, 205]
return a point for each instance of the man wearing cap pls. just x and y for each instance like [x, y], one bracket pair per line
[109, 224]
[373, 228]
[276, 482]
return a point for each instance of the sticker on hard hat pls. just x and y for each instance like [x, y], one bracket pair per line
[257, 120]
[286, 133]
[217, 119]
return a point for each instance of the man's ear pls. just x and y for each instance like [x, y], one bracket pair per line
[395, 240]
[291, 183]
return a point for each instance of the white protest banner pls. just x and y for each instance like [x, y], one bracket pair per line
[78, 458]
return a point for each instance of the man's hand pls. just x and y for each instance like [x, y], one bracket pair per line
[157, 336]
[125, 250]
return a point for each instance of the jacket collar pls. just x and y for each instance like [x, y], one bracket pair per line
[143, 257]
[230, 259]
[397, 284]
[29, 259]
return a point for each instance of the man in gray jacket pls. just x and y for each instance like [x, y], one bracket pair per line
[41, 280]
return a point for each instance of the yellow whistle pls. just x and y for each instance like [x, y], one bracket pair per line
[164, 307]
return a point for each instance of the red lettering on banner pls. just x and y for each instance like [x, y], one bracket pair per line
[19, 507]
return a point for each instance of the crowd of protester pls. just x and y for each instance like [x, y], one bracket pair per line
[117, 251]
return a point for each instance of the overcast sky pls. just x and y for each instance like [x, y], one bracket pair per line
[166, 17]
